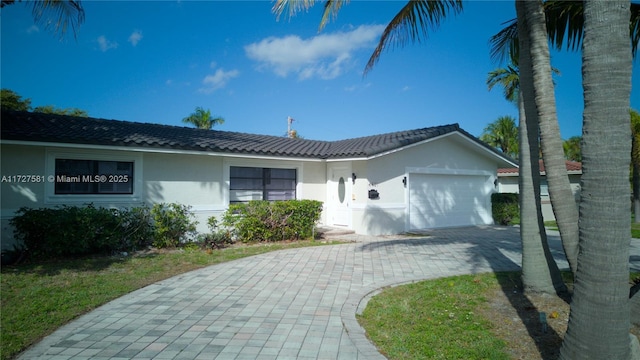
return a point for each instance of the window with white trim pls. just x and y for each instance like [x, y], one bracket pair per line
[83, 176]
[255, 183]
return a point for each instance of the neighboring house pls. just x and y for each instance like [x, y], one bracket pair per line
[508, 183]
[383, 184]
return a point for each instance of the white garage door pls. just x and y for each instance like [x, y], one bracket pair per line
[437, 200]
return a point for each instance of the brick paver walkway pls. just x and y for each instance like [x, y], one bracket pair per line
[290, 304]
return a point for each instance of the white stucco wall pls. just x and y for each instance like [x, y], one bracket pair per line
[15, 161]
[388, 214]
[198, 180]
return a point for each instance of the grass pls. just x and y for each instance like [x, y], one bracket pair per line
[635, 228]
[469, 317]
[436, 319]
[36, 299]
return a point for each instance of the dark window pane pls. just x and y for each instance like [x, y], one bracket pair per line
[93, 177]
[272, 184]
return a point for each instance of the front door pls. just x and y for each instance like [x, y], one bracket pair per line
[340, 196]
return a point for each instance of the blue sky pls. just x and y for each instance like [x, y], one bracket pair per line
[156, 61]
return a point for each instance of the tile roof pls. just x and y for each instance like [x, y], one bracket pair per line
[38, 127]
[572, 167]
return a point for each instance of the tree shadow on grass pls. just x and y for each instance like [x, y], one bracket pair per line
[58, 266]
[489, 248]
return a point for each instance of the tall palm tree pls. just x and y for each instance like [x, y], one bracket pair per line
[562, 19]
[542, 96]
[202, 119]
[55, 15]
[598, 325]
[502, 134]
[635, 162]
[540, 272]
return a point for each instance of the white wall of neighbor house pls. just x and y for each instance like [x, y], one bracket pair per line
[509, 184]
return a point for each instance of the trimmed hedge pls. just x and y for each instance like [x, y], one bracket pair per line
[70, 231]
[261, 220]
[505, 208]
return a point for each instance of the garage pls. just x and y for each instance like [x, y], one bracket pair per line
[449, 200]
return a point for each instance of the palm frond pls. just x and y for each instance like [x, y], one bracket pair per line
[331, 9]
[293, 6]
[411, 23]
[509, 79]
[565, 19]
[504, 45]
[58, 15]
[634, 28]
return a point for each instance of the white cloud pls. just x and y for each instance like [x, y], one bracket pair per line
[33, 29]
[324, 56]
[105, 44]
[135, 37]
[218, 80]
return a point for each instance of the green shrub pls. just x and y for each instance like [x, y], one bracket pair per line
[505, 208]
[69, 231]
[272, 221]
[216, 239]
[136, 228]
[173, 223]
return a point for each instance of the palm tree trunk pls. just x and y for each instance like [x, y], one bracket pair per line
[599, 319]
[539, 270]
[635, 182]
[560, 193]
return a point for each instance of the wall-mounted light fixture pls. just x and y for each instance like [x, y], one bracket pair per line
[353, 178]
[404, 181]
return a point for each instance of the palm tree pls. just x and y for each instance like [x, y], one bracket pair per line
[541, 96]
[562, 18]
[56, 15]
[502, 134]
[540, 272]
[509, 79]
[571, 148]
[635, 162]
[202, 119]
[598, 325]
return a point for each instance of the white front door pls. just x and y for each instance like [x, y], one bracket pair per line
[340, 196]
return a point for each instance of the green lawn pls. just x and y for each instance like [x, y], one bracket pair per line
[435, 319]
[39, 298]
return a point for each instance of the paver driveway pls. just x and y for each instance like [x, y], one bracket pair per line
[296, 304]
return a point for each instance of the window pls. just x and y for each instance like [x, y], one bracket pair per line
[73, 176]
[250, 183]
